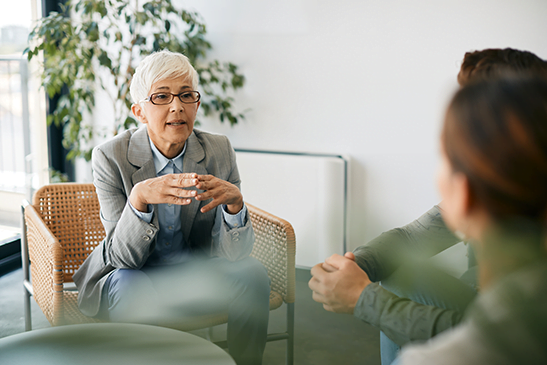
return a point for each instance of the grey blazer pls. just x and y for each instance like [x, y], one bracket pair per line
[124, 161]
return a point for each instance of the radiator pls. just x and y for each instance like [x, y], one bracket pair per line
[310, 191]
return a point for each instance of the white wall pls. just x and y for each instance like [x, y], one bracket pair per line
[369, 79]
[366, 78]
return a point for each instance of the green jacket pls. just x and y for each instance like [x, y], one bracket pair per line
[401, 319]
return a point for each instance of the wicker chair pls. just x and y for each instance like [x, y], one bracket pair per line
[62, 227]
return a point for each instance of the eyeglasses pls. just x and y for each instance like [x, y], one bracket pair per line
[186, 97]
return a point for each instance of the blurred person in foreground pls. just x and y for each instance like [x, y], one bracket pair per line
[178, 236]
[415, 300]
[492, 180]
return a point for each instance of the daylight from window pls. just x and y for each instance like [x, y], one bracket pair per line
[15, 24]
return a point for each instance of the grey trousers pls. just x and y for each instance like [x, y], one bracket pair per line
[165, 295]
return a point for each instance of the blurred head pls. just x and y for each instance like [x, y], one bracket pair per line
[494, 143]
[164, 91]
[490, 63]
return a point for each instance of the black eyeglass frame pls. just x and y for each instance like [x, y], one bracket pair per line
[149, 98]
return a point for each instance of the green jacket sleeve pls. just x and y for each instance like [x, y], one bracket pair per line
[401, 319]
[422, 238]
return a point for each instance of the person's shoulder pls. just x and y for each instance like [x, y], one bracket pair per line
[208, 136]
[460, 345]
[523, 288]
[514, 308]
[120, 141]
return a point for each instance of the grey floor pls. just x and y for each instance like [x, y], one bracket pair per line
[321, 337]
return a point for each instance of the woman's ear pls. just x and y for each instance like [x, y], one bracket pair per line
[138, 112]
[464, 201]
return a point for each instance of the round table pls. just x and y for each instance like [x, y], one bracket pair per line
[110, 343]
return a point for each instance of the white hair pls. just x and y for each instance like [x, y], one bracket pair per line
[160, 66]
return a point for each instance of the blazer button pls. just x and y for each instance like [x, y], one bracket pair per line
[236, 239]
[149, 231]
[146, 238]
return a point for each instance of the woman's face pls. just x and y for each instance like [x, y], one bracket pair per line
[169, 126]
[453, 189]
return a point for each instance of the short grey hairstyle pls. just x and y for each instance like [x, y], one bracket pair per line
[160, 66]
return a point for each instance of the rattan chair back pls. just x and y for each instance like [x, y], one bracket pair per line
[275, 247]
[72, 212]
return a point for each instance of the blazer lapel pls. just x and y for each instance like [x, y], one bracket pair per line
[193, 155]
[139, 154]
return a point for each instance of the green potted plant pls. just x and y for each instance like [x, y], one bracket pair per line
[99, 45]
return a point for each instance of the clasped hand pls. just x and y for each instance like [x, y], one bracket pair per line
[338, 282]
[173, 189]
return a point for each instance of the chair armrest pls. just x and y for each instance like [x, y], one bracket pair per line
[46, 258]
[274, 247]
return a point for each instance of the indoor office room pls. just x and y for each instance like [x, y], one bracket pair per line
[163, 163]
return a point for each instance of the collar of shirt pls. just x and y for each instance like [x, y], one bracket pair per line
[160, 161]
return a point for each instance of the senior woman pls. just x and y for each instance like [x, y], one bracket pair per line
[178, 236]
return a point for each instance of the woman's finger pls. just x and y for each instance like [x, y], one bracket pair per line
[212, 205]
[182, 193]
[177, 200]
[183, 180]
